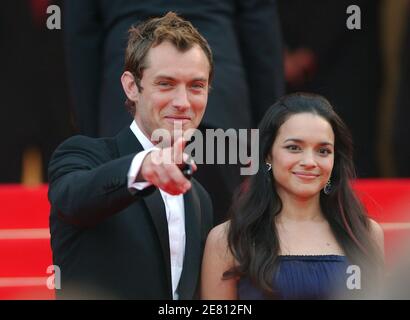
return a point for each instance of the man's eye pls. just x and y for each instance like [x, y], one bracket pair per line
[198, 86]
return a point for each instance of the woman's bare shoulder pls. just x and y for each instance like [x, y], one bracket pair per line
[218, 237]
[219, 232]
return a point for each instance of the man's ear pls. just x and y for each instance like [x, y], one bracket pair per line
[129, 86]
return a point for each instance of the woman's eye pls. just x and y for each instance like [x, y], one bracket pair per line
[324, 151]
[293, 147]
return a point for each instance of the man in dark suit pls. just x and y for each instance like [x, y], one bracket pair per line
[125, 221]
[243, 34]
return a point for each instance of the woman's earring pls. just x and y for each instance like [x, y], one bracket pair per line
[268, 166]
[328, 187]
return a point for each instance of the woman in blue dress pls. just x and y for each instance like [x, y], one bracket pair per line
[297, 230]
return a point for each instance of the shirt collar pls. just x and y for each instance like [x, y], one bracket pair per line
[142, 138]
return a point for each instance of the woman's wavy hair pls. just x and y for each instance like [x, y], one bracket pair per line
[252, 235]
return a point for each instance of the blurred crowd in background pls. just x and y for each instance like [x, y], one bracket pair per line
[364, 73]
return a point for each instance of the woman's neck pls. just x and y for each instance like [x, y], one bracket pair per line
[300, 209]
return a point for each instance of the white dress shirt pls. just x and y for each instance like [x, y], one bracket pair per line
[174, 208]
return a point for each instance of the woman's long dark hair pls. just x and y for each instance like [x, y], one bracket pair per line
[252, 235]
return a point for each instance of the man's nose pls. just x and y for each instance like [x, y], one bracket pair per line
[181, 100]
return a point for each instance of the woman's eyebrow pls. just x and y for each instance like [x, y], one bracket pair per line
[324, 143]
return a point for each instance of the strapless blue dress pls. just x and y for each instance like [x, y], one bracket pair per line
[303, 277]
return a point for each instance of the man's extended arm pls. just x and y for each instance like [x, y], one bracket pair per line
[86, 185]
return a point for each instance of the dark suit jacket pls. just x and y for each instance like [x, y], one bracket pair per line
[109, 243]
[243, 34]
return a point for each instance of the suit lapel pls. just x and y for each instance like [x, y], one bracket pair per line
[156, 208]
[127, 144]
[192, 260]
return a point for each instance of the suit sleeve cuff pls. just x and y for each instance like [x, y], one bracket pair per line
[134, 170]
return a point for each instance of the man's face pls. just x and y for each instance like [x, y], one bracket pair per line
[175, 89]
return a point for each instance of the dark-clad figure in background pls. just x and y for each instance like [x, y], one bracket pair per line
[34, 108]
[125, 222]
[401, 127]
[244, 36]
[343, 65]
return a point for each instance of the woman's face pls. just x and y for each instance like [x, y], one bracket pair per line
[302, 155]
